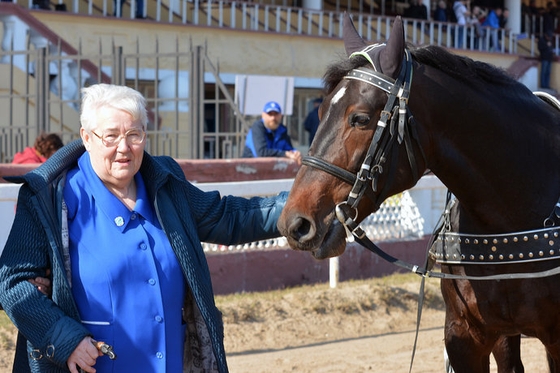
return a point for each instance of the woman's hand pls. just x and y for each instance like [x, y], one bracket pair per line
[84, 356]
[43, 284]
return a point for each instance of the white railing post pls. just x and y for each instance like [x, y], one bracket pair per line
[333, 272]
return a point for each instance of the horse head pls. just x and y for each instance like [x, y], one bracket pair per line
[363, 128]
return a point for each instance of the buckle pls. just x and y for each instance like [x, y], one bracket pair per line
[35, 354]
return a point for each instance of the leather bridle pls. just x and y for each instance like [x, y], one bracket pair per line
[394, 125]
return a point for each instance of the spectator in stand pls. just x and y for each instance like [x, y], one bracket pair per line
[477, 18]
[548, 18]
[440, 14]
[531, 12]
[139, 9]
[504, 18]
[416, 10]
[546, 51]
[118, 7]
[503, 23]
[45, 146]
[268, 137]
[312, 121]
[461, 11]
[41, 4]
[492, 25]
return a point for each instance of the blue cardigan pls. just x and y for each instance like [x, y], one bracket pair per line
[188, 215]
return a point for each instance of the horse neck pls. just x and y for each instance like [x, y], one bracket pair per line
[498, 161]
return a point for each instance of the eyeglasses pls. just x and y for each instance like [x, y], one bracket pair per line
[112, 138]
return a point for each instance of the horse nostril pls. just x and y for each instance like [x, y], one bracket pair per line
[301, 229]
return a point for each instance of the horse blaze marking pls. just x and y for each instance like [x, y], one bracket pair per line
[338, 95]
[335, 99]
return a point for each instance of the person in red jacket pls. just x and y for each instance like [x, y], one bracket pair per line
[45, 146]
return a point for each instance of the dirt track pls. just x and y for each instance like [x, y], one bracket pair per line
[359, 327]
[383, 353]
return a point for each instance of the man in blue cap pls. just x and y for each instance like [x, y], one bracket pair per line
[268, 137]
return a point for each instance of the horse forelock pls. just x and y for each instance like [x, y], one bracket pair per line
[338, 70]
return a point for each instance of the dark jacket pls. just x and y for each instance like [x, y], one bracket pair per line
[546, 52]
[311, 123]
[262, 142]
[187, 215]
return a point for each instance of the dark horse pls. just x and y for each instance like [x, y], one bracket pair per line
[391, 113]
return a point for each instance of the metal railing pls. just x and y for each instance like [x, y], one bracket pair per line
[42, 94]
[261, 17]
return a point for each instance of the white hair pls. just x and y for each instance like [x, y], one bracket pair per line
[109, 95]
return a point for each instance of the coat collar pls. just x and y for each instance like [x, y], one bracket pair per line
[155, 170]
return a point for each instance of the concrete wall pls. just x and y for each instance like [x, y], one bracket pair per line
[236, 51]
[271, 269]
[275, 267]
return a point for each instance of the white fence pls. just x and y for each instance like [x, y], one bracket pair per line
[414, 214]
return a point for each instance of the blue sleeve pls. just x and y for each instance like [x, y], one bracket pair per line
[228, 220]
[235, 220]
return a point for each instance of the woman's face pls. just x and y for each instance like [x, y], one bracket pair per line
[115, 165]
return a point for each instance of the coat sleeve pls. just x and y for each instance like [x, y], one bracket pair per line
[28, 254]
[232, 220]
[228, 220]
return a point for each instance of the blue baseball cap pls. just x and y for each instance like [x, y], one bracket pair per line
[272, 106]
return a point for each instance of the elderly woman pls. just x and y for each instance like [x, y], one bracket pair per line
[121, 232]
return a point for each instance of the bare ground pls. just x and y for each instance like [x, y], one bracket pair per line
[360, 326]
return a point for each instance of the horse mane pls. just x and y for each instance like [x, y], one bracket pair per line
[462, 68]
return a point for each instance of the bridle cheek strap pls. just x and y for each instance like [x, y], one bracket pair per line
[398, 89]
[372, 165]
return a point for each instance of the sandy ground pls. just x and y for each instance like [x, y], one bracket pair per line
[381, 353]
[361, 326]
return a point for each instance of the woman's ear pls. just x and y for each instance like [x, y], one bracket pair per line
[86, 138]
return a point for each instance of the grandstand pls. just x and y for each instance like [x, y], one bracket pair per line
[189, 57]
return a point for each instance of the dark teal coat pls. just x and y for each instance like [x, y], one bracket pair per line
[189, 216]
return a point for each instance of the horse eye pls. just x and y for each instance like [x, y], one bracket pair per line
[359, 120]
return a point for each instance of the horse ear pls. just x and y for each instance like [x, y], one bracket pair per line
[353, 42]
[392, 55]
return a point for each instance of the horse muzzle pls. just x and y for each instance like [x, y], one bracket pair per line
[325, 239]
